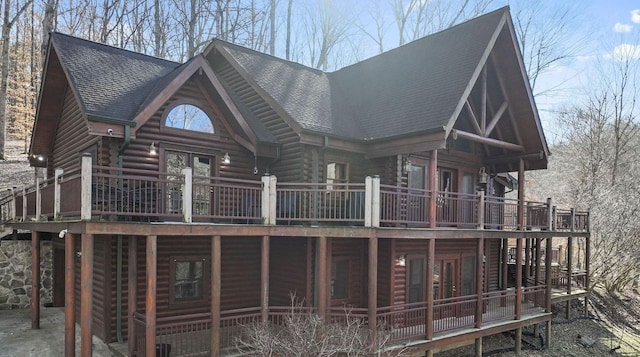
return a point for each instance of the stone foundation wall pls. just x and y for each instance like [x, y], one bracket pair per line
[15, 274]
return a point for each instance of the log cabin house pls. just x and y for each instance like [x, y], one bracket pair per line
[199, 196]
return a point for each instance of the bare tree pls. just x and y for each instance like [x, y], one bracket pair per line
[9, 20]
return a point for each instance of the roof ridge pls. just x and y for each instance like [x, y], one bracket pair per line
[113, 48]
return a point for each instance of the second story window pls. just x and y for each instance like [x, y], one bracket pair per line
[336, 174]
[189, 117]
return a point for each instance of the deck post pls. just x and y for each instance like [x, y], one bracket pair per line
[322, 277]
[518, 306]
[569, 270]
[150, 305]
[518, 347]
[273, 199]
[521, 195]
[547, 334]
[431, 249]
[375, 201]
[215, 295]
[505, 268]
[264, 279]
[38, 197]
[433, 172]
[132, 292]
[85, 187]
[538, 268]
[56, 193]
[187, 195]
[368, 197]
[69, 296]
[24, 203]
[587, 261]
[35, 280]
[372, 311]
[479, 285]
[550, 216]
[481, 211]
[478, 347]
[265, 200]
[86, 295]
[547, 273]
[527, 261]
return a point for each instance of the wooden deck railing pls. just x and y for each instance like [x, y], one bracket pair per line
[107, 193]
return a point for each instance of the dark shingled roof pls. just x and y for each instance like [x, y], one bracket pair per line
[110, 82]
[413, 88]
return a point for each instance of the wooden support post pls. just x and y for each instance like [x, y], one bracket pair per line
[518, 306]
[56, 194]
[505, 264]
[264, 279]
[85, 187]
[518, 347]
[216, 266]
[323, 256]
[150, 305]
[547, 273]
[481, 211]
[372, 311]
[521, 195]
[550, 215]
[375, 201]
[132, 293]
[86, 295]
[273, 199]
[431, 248]
[24, 203]
[38, 197]
[187, 195]
[587, 261]
[479, 285]
[479, 347]
[527, 261]
[265, 200]
[538, 268]
[35, 280]
[368, 205]
[569, 272]
[547, 334]
[69, 296]
[433, 172]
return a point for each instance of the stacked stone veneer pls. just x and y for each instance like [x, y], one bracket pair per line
[15, 274]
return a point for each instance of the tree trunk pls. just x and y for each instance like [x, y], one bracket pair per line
[288, 41]
[272, 24]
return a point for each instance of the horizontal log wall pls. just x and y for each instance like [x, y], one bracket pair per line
[288, 271]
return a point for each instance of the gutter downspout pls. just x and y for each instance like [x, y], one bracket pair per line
[123, 148]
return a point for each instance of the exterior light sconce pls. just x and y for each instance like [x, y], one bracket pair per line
[401, 261]
[406, 164]
[226, 159]
[152, 149]
[39, 157]
[482, 175]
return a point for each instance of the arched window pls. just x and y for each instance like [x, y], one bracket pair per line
[189, 117]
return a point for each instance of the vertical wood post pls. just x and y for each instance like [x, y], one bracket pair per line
[24, 204]
[431, 256]
[132, 293]
[35, 280]
[322, 277]
[538, 268]
[85, 187]
[264, 279]
[505, 263]
[86, 295]
[518, 278]
[521, 195]
[273, 199]
[69, 296]
[215, 295]
[518, 347]
[150, 305]
[375, 201]
[587, 261]
[265, 208]
[187, 195]
[481, 211]
[547, 273]
[368, 205]
[38, 198]
[550, 217]
[478, 346]
[372, 311]
[479, 275]
[527, 261]
[433, 172]
[56, 194]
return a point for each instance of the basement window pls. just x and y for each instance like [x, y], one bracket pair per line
[187, 279]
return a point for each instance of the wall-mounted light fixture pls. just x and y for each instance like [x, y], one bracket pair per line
[401, 261]
[226, 159]
[482, 175]
[152, 149]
